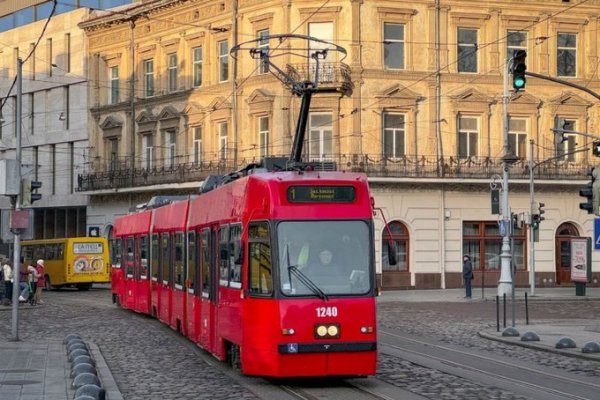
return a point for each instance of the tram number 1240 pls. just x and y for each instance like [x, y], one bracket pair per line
[327, 312]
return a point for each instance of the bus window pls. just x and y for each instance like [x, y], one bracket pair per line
[130, 257]
[154, 257]
[192, 263]
[144, 257]
[178, 260]
[165, 257]
[259, 259]
[235, 256]
[205, 247]
[224, 255]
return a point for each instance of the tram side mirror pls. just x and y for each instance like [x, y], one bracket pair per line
[391, 251]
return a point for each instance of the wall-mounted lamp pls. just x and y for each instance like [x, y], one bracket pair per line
[447, 214]
[61, 117]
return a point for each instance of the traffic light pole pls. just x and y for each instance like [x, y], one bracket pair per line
[531, 230]
[17, 232]
[505, 283]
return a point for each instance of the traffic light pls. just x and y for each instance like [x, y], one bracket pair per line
[596, 148]
[28, 188]
[541, 212]
[591, 191]
[518, 69]
[535, 221]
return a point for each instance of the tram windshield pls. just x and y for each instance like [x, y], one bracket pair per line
[324, 258]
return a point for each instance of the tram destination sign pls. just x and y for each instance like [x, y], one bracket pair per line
[321, 194]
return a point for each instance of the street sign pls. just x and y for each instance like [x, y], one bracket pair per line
[596, 233]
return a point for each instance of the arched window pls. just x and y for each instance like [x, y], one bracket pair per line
[395, 239]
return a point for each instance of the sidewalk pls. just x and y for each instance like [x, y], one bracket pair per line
[41, 370]
[489, 294]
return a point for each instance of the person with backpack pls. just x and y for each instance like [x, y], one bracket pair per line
[41, 281]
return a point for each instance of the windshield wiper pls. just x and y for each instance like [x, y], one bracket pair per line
[302, 278]
[307, 282]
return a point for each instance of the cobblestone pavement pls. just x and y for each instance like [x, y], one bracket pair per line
[459, 324]
[147, 363]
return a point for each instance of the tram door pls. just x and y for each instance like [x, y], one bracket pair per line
[209, 288]
[130, 284]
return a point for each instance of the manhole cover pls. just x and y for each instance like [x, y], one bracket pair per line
[18, 382]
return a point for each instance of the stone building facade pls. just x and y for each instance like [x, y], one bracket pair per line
[169, 105]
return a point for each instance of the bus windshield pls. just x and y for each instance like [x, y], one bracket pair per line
[322, 258]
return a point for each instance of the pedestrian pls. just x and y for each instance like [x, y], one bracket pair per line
[41, 281]
[468, 276]
[8, 277]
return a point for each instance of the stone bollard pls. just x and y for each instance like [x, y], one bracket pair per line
[83, 368]
[78, 352]
[86, 379]
[70, 337]
[93, 391]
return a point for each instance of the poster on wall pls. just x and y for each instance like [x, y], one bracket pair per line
[579, 260]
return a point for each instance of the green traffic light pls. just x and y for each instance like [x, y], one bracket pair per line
[519, 82]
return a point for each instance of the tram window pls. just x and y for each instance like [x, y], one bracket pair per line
[259, 260]
[192, 263]
[129, 256]
[154, 260]
[165, 257]
[115, 252]
[205, 247]
[179, 257]
[144, 257]
[224, 255]
[236, 256]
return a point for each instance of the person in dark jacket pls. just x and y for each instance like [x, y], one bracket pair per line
[467, 274]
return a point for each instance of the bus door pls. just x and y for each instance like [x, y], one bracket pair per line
[208, 332]
[130, 292]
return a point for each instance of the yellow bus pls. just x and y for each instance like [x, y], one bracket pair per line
[78, 262]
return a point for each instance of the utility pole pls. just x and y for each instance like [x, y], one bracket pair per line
[17, 207]
[505, 283]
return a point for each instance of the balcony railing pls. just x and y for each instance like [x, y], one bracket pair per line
[120, 176]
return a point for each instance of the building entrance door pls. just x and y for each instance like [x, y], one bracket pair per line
[564, 234]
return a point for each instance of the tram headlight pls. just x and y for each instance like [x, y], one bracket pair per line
[327, 331]
[366, 329]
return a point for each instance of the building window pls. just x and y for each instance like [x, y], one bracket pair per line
[263, 136]
[148, 155]
[482, 241]
[223, 61]
[114, 154]
[393, 46]
[149, 77]
[517, 136]
[263, 47]
[566, 145]
[393, 135]
[394, 239]
[222, 129]
[197, 67]
[468, 136]
[566, 54]
[172, 73]
[67, 52]
[114, 85]
[197, 145]
[170, 138]
[515, 40]
[320, 136]
[467, 50]
[49, 55]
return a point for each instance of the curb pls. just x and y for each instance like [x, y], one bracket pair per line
[575, 353]
[106, 376]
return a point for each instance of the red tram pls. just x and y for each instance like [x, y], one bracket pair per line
[242, 271]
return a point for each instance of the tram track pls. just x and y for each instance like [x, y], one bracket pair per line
[525, 378]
